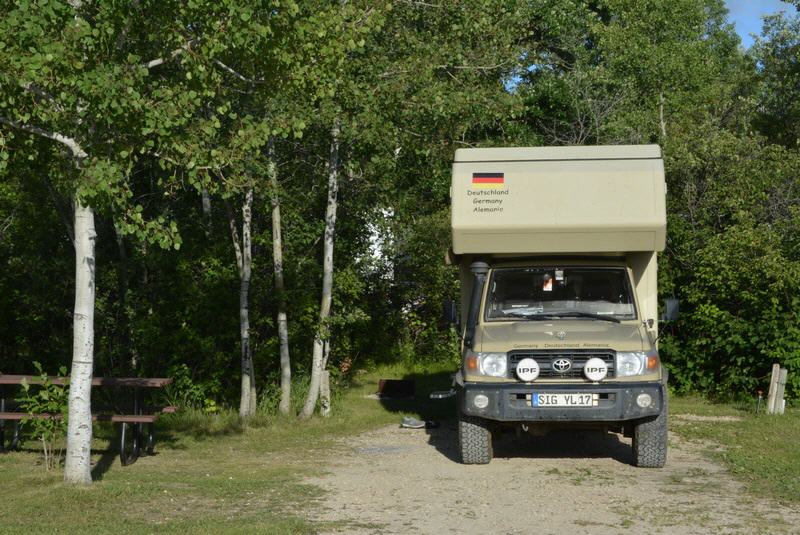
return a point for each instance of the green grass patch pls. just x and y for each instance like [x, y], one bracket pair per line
[210, 474]
[762, 450]
[699, 406]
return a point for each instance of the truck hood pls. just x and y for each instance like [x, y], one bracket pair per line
[577, 334]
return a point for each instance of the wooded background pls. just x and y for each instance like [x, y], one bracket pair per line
[207, 126]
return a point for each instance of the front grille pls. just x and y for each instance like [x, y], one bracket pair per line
[546, 357]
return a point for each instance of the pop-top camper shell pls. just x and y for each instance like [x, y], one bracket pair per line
[561, 201]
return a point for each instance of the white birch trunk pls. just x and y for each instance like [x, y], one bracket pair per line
[248, 401]
[77, 468]
[206, 199]
[327, 274]
[325, 394]
[325, 382]
[280, 289]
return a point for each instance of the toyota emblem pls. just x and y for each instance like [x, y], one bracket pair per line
[561, 335]
[562, 365]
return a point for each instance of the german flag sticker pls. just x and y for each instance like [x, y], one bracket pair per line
[488, 180]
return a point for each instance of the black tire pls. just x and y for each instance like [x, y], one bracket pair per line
[650, 440]
[474, 440]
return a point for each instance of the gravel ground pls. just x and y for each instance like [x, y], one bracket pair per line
[397, 480]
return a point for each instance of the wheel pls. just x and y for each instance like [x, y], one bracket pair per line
[130, 442]
[474, 440]
[650, 440]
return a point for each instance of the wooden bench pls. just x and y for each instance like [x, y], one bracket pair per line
[133, 441]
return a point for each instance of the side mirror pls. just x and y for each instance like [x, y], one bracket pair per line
[450, 312]
[671, 309]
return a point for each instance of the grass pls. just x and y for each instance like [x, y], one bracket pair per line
[762, 450]
[210, 474]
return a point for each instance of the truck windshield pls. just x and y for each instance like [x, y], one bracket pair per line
[559, 292]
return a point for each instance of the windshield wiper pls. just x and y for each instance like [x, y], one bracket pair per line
[521, 315]
[577, 314]
[534, 316]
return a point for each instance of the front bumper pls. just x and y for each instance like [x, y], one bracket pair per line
[511, 402]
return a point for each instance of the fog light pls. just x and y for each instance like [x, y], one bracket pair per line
[481, 401]
[644, 400]
[528, 370]
[595, 369]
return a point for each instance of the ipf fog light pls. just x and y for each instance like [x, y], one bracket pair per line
[644, 400]
[481, 401]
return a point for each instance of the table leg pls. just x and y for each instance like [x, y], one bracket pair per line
[14, 444]
[138, 409]
[128, 435]
[2, 422]
[131, 432]
[150, 444]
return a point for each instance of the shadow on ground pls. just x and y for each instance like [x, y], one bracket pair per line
[558, 444]
[421, 406]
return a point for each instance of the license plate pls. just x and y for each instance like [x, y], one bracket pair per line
[561, 399]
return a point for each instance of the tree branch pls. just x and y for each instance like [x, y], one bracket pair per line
[172, 55]
[73, 145]
[237, 75]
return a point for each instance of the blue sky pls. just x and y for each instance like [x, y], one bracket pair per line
[746, 15]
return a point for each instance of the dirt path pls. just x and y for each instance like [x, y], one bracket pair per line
[408, 481]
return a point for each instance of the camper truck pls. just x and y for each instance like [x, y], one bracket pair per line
[556, 249]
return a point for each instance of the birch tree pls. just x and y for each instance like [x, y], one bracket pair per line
[74, 74]
[319, 360]
[280, 286]
[244, 260]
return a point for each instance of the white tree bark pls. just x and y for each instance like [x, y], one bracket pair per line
[280, 289]
[327, 275]
[206, 211]
[248, 400]
[325, 382]
[325, 394]
[77, 469]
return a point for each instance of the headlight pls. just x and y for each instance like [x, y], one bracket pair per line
[492, 364]
[636, 363]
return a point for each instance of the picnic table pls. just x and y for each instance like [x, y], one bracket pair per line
[133, 440]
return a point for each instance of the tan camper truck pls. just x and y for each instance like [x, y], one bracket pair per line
[556, 249]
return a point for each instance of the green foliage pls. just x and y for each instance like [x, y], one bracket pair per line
[742, 314]
[410, 83]
[777, 53]
[185, 393]
[50, 399]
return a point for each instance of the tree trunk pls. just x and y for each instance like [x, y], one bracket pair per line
[277, 254]
[661, 120]
[325, 394]
[327, 274]
[325, 382]
[77, 469]
[206, 211]
[248, 401]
